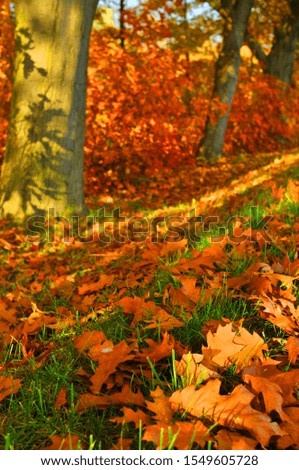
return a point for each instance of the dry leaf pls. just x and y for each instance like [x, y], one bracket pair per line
[61, 399]
[232, 345]
[161, 406]
[8, 386]
[70, 442]
[232, 411]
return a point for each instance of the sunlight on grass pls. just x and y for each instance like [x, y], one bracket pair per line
[189, 285]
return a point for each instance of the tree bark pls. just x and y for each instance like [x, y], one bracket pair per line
[280, 61]
[43, 163]
[122, 23]
[236, 17]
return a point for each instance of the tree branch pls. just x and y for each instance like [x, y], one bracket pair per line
[256, 49]
[294, 6]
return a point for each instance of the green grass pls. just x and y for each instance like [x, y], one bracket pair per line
[29, 417]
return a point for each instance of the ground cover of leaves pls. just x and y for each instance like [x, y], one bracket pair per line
[170, 327]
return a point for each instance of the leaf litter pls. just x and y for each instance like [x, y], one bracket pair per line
[176, 393]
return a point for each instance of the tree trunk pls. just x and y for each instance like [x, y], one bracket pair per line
[122, 23]
[43, 163]
[226, 78]
[280, 61]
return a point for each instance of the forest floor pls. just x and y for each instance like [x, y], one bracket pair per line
[168, 320]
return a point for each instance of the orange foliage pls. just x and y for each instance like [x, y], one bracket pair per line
[256, 408]
[137, 123]
[147, 104]
[262, 117]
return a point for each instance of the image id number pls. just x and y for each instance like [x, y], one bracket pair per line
[221, 460]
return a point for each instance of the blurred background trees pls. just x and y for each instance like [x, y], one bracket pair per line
[152, 85]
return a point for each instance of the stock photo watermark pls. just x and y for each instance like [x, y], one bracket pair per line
[113, 227]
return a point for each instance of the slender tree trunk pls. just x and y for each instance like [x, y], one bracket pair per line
[226, 78]
[43, 164]
[187, 96]
[280, 61]
[122, 23]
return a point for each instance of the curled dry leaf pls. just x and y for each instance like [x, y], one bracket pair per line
[173, 246]
[291, 427]
[292, 346]
[127, 397]
[149, 312]
[104, 281]
[162, 319]
[141, 309]
[281, 313]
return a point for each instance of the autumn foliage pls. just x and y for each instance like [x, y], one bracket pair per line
[147, 104]
[176, 342]
[231, 387]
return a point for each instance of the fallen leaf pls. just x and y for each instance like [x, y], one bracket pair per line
[93, 343]
[232, 345]
[70, 442]
[61, 399]
[160, 406]
[8, 386]
[131, 416]
[108, 362]
[231, 411]
[157, 351]
[271, 393]
[127, 397]
[193, 371]
[292, 346]
[180, 435]
[88, 400]
[142, 310]
[233, 440]
[104, 281]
